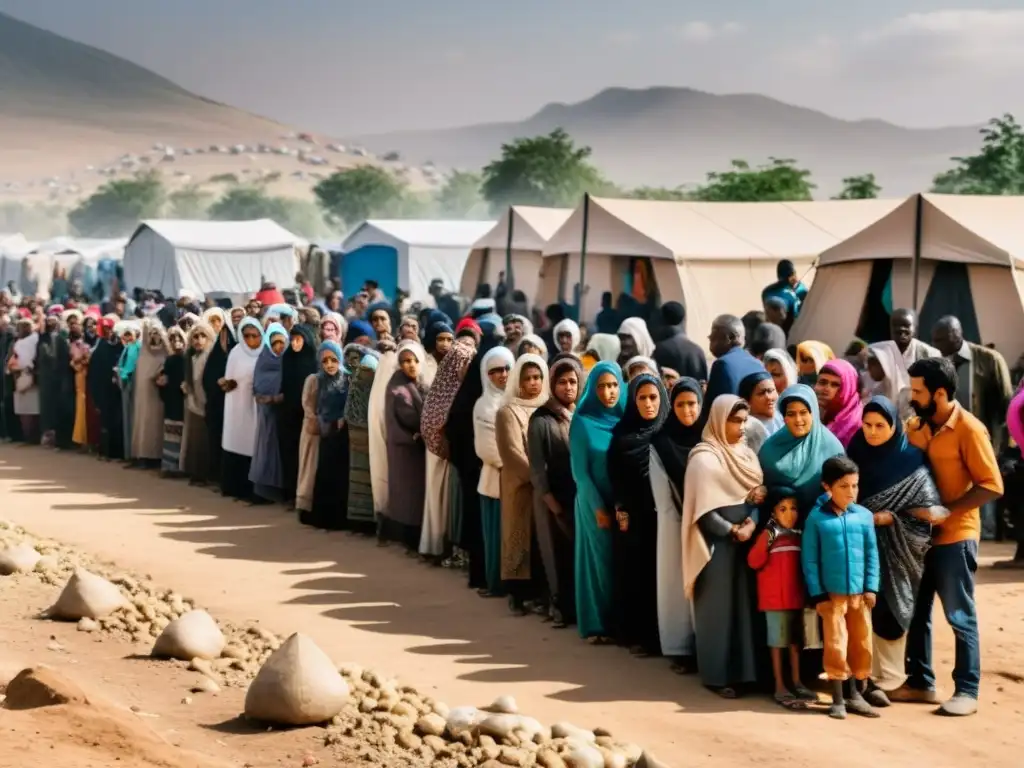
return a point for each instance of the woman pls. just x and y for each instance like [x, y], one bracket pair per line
[240, 415]
[195, 452]
[213, 374]
[526, 390]
[298, 365]
[635, 534]
[436, 406]
[638, 365]
[333, 327]
[357, 420]
[896, 486]
[104, 390]
[888, 370]
[723, 489]
[309, 443]
[131, 341]
[377, 429]
[22, 366]
[330, 488]
[838, 392]
[80, 352]
[758, 389]
[437, 340]
[403, 409]
[554, 492]
[265, 471]
[532, 344]
[148, 408]
[604, 347]
[670, 452]
[600, 409]
[782, 368]
[566, 334]
[56, 385]
[170, 381]
[811, 357]
[495, 368]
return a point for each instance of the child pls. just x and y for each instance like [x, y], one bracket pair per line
[841, 569]
[780, 593]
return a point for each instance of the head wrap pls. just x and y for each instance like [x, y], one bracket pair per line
[882, 466]
[675, 440]
[636, 329]
[843, 412]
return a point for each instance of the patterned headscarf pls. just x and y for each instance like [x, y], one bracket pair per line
[441, 396]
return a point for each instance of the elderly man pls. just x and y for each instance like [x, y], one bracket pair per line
[903, 330]
[732, 364]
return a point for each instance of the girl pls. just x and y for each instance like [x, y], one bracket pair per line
[330, 491]
[170, 382]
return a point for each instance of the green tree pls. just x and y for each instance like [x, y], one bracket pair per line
[859, 188]
[776, 181]
[245, 203]
[116, 208]
[544, 170]
[359, 193]
[660, 193]
[460, 196]
[189, 202]
[997, 168]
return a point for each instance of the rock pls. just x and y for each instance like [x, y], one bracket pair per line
[42, 687]
[21, 558]
[203, 667]
[9, 670]
[205, 685]
[431, 725]
[406, 739]
[500, 726]
[514, 756]
[570, 731]
[441, 708]
[367, 705]
[234, 651]
[194, 636]
[436, 743]
[602, 731]
[504, 705]
[88, 625]
[491, 763]
[463, 719]
[87, 596]
[490, 751]
[647, 760]
[612, 759]
[47, 564]
[584, 756]
[406, 710]
[298, 685]
[632, 752]
[548, 758]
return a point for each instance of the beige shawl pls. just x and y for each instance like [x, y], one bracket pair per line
[717, 475]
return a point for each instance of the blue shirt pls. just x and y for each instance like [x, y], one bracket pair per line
[793, 297]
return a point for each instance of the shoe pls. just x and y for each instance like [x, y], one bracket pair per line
[907, 695]
[858, 706]
[875, 696]
[961, 705]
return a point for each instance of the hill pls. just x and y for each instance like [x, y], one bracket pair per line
[671, 136]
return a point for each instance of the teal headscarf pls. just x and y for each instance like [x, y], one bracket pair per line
[274, 329]
[129, 358]
[796, 461]
[589, 407]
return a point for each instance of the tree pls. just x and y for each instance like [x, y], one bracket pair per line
[245, 203]
[189, 202]
[859, 188]
[997, 169]
[116, 208]
[359, 193]
[544, 170]
[460, 196]
[660, 193]
[778, 180]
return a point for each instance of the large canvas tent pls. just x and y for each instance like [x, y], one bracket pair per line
[513, 246]
[211, 258]
[408, 254]
[715, 258]
[31, 265]
[966, 252]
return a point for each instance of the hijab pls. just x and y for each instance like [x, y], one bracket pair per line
[267, 375]
[605, 346]
[570, 327]
[561, 363]
[195, 365]
[533, 340]
[781, 356]
[589, 408]
[331, 391]
[333, 327]
[218, 312]
[796, 461]
[896, 384]
[636, 328]
[357, 329]
[296, 367]
[246, 350]
[408, 346]
[490, 400]
[511, 395]
[883, 466]
[843, 413]
[643, 360]
[433, 331]
[632, 436]
[357, 405]
[727, 474]
[458, 427]
[818, 351]
[441, 396]
[674, 440]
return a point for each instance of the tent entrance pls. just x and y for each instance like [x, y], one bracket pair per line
[873, 325]
[950, 294]
[370, 262]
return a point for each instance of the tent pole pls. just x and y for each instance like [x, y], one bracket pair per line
[916, 266]
[583, 256]
[509, 279]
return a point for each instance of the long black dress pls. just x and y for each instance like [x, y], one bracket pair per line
[10, 426]
[216, 365]
[296, 368]
[56, 389]
[106, 396]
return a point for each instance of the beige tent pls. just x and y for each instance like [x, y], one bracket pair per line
[715, 258]
[969, 251]
[515, 242]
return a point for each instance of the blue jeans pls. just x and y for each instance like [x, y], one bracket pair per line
[948, 572]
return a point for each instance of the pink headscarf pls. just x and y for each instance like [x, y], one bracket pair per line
[1015, 418]
[843, 414]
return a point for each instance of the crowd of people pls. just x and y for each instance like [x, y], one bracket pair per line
[780, 512]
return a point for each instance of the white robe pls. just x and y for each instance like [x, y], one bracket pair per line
[675, 612]
[377, 429]
[239, 404]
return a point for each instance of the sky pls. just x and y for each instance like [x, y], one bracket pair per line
[361, 66]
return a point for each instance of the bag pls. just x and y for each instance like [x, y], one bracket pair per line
[24, 382]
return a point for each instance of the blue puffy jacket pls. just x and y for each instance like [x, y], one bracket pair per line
[839, 552]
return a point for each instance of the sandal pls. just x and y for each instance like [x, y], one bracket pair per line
[727, 692]
[804, 693]
[683, 666]
[788, 701]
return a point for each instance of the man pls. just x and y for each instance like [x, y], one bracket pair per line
[788, 288]
[372, 289]
[409, 330]
[443, 300]
[516, 326]
[967, 476]
[732, 364]
[677, 351]
[357, 309]
[903, 330]
[775, 312]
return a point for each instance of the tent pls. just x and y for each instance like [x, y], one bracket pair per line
[513, 246]
[967, 252]
[715, 258]
[408, 254]
[211, 258]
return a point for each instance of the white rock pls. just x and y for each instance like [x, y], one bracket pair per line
[21, 558]
[193, 636]
[502, 726]
[504, 705]
[462, 719]
[87, 596]
[584, 756]
[570, 731]
[298, 685]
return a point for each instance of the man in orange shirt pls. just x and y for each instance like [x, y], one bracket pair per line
[967, 475]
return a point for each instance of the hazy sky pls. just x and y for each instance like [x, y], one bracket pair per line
[346, 66]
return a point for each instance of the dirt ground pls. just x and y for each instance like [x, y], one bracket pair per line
[381, 609]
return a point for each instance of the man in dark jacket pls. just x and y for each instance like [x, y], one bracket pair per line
[676, 351]
[732, 364]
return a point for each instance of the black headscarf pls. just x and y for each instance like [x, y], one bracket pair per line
[749, 383]
[630, 464]
[298, 366]
[882, 466]
[458, 428]
[216, 365]
[674, 441]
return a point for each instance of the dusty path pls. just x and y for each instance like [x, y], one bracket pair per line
[386, 611]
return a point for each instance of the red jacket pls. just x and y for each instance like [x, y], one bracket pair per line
[780, 581]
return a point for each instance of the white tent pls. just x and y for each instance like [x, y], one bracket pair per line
[969, 252]
[211, 258]
[715, 258]
[408, 254]
[514, 246]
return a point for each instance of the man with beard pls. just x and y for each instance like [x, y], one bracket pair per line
[967, 476]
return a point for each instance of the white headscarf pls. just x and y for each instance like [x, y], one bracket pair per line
[536, 341]
[643, 360]
[490, 401]
[570, 327]
[26, 350]
[896, 385]
[782, 357]
[511, 395]
[636, 328]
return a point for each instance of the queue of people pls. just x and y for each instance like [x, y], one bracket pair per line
[755, 522]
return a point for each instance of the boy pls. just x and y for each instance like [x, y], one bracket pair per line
[841, 570]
